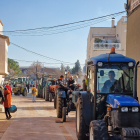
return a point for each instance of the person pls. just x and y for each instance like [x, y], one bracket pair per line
[85, 83]
[70, 83]
[8, 87]
[28, 87]
[34, 91]
[61, 85]
[7, 103]
[108, 84]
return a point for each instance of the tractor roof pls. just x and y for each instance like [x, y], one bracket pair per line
[112, 58]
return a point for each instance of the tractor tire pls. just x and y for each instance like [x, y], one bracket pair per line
[81, 128]
[50, 97]
[24, 92]
[47, 95]
[55, 102]
[64, 114]
[60, 105]
[98, 130]
[18, 93]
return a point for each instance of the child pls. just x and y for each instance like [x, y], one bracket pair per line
[34, 90]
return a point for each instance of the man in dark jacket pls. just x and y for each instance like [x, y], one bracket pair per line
[70, 83]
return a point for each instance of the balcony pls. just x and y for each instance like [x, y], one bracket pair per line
[106, 46]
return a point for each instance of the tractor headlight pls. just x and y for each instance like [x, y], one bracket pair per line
[135, 109]
[124, 109]
[130, 64]
[100, 64]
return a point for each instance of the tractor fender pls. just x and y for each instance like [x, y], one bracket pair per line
[88, 104]
[61, 93]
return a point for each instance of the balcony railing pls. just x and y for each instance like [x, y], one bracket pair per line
[106, 46]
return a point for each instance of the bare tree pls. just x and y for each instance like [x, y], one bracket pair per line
[35, 69]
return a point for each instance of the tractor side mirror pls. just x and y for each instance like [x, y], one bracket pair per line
[101, 73]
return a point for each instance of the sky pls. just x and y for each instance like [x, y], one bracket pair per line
[68, 46]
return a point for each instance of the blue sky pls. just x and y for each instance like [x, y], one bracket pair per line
[69, 46]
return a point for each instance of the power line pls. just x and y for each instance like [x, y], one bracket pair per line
[38, 54]
[64, 24]
[41, 62]
[63, 31]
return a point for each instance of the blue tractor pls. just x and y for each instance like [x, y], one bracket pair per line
[109, 109]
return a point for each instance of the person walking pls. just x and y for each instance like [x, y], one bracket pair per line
[28, 86]
[34, 91]
[7, 103]
[8, 87]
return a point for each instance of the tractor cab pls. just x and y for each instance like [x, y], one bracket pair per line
[109, 108]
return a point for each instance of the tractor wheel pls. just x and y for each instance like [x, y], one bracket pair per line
[47, 95]
[50, 97]
[98, 130]
[24, 92]
[18, 93]
[60, 105]
[81, 127]
[64, 114]
[55, 102]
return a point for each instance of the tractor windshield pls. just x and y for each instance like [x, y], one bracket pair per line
[115, 79]
[20, 80]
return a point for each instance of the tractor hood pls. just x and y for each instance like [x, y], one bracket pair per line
[121, 100]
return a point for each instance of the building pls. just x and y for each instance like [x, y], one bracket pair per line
[133, 33]
[4, 43]
[101, 39]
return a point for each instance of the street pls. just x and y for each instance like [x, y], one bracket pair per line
[34, 121]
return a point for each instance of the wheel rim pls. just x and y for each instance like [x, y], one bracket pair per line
[91, 133]
[78, 118]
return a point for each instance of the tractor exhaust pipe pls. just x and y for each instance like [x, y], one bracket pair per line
[135, 82]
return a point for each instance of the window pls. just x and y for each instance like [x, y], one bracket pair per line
[115, 79]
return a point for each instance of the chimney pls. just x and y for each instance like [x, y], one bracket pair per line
[113, 23]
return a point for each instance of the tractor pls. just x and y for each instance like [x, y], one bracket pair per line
[64, 104]
[109, 109]
[20, 87]
[51, 89]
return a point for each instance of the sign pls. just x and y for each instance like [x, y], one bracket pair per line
[133, 4]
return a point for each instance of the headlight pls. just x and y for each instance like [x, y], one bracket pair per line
[100, 64]
[135, 109]
[130, 64]
[124, 109]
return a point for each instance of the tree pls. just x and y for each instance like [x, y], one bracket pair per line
[68, 69]
[76, 68]
[62, 68]
[13, 68]
[35, 69]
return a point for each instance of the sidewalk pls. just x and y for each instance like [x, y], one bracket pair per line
[34, 121]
